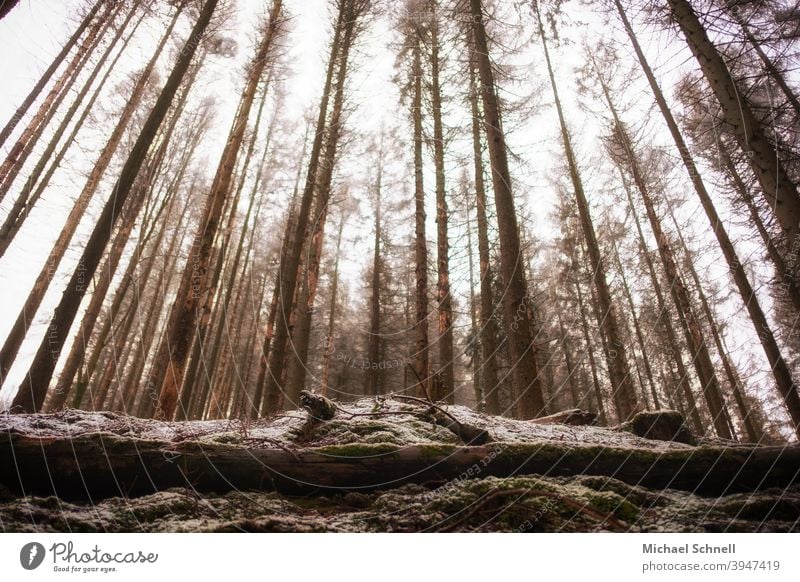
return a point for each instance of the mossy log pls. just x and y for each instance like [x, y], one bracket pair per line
[99, 465]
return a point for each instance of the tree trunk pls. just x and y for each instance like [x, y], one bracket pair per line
[622, 389]
[783, 377]
[598, 392]
[664, 316]
[527, 385]
[26, 315]
[780, 192]
[25, 202]
[334, 292]
[48, 74]
[373, 371]
[489, 332]
[297, 371]
[33, 390]
[25, 143]
[290, 261]
[421, 343]
[692, 329]
[754, 432]
[192, 306]
[444, 299]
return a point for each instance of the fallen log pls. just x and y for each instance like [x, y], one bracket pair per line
[99, 465]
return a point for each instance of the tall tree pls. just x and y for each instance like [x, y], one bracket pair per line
[444, 299]
[622, 389]
[780, 370]
[51, 69]
[525, 380]
[34, 299]
[32, 391]
[628, 157]
[777, 187]
[191, 309]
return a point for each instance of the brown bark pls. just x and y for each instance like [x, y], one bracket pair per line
[526, 383]
[783, 376]
[21, 323]
[754, 432]
[191, 310]
[598, 392]
[334, 292]
[33, 390]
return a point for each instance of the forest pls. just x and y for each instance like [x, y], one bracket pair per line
[421, 265]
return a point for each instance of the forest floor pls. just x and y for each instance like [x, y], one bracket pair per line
[386, 465]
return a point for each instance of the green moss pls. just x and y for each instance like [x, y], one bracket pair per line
[356, 450]
[609, 502]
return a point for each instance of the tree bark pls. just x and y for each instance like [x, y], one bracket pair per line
[778, 189]
[526, 383]
[783, 376]
[33, 390]
[191, 309]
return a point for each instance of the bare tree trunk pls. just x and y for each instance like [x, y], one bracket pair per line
[191, 310]
[648, 369]
[622, 389]
[473, 305]
[527, 385]
[783, 376]
[130, 215]
[334, 292]
[191, 376]
[489, 332]
[779, 191]
[373, 371]
[754, 432]
[22, 322]
[421, 342]
[288, 269]
[25, 202]
[33, 390]
[664, 316]
[598, 392]
[48, 74]
[692, 329]
[307, 292]
[444, 299]
[25, 143]
[787, 285]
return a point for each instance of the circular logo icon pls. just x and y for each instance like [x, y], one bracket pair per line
[31, 555]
